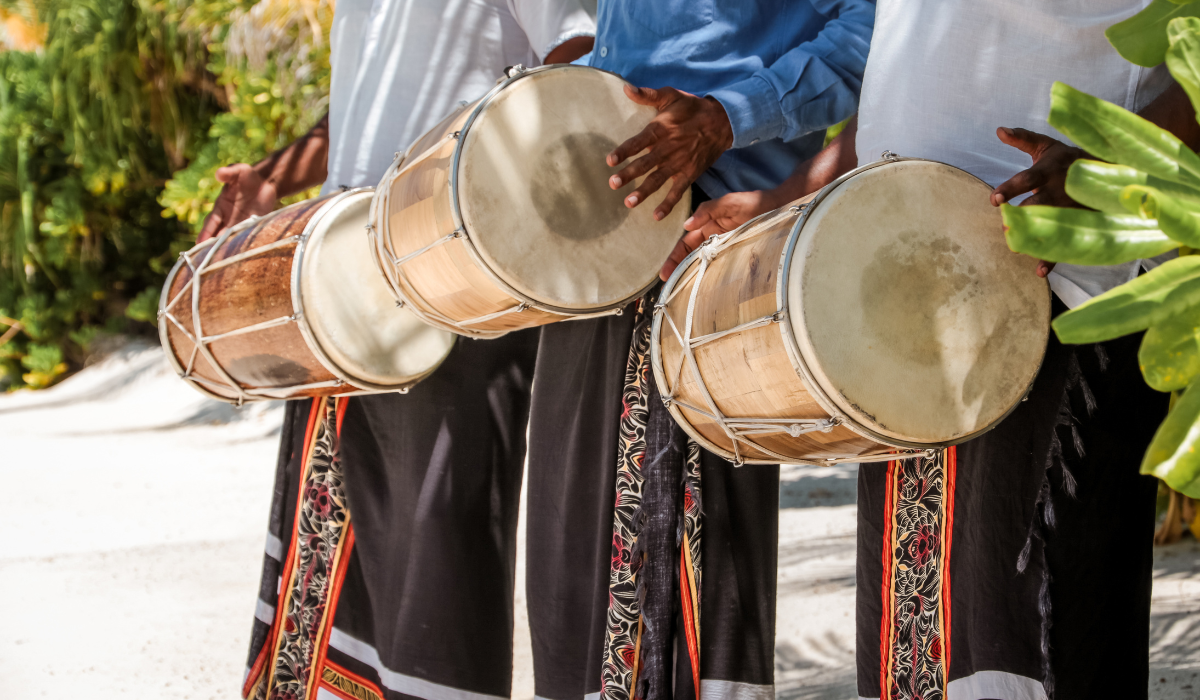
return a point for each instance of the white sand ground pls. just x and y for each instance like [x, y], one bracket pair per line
[133, 521]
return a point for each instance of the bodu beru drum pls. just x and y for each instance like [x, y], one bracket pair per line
[291, 305]
[501, 216]
[883, 315]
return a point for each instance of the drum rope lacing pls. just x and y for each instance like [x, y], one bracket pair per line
[394, 274]
[738, 429]
[201, 342]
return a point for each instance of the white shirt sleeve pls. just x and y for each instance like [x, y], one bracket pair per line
[548, 23]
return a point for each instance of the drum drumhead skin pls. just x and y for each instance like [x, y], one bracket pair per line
[534, 197]
[350, 311]
[908, 308]
[884, 313]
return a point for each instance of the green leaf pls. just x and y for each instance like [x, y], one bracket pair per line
[1098, 185]
[1082, 237]
[1173, 455]
[1175, 218]
[1183, 57]
[1120, 136]
[1170, 353]
[1142, 39]
[1169, 289]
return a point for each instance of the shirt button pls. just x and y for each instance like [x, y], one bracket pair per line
[603, 51]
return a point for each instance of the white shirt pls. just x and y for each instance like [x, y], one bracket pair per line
[400, 66]
[942, 75]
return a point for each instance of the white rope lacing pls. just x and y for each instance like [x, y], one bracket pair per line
[392, 266]
[200, 341]
[740, 430]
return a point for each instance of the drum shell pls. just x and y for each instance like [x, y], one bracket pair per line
[448, 279]
[748, 372]
[254, 290]
[270, 322]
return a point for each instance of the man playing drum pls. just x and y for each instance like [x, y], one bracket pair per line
[615, 593]
[416, 598]
[1045, 523]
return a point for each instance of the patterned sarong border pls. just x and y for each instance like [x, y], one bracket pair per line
[915, 634]
[622, 641]
[316, 563]
[347, 685]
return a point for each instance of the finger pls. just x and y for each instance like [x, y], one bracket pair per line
[714, 228]
[634, 170]
[213, 223]
[643, 96]
[644, 139]
[683, 248]
[1044, 268]
[1017, 185]
[649, 186]
[1025, 140]
[228, 174]
[664, 207]
[702, 215]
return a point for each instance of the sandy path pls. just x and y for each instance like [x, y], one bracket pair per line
[134, 525]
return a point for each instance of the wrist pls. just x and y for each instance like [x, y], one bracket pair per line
[721, 120]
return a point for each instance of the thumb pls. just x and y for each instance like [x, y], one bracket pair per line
[1027, 141]
[699, 218]
[228, 174]
[643, 96]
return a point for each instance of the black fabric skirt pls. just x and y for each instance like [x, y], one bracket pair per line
[579, 425]
[422, 603]
[1018, 565]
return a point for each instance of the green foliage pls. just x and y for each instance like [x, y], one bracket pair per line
[1173, 455]
[128, 108]
[1142, 38]
[144, 306]
[272, 60]
[1147, 201]
[1169, 289]
[1082, 237]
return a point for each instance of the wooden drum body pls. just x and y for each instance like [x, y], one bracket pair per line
[290, 305]
[501, 217]
[884, 314]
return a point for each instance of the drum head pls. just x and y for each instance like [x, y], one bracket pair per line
[908, 307]
[534, 196]
[349, 309]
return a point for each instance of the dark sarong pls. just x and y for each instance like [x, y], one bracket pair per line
[1017, 565]
[421, 598]
[585, 422]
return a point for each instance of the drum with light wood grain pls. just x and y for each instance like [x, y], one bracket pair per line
[501, 217]
[882, 316]
[290, 305]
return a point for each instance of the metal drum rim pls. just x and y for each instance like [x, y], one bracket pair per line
[364, 387]
[795, 352]
[518, 73]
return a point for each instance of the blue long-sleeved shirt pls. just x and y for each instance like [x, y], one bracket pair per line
[784, 70]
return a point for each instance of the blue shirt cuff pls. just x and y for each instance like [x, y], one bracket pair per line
[754, 110]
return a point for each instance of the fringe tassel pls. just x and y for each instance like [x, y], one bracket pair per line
[1044, 516]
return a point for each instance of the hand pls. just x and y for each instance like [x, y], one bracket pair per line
[719, 216]
[245, 194]
[1046, 178]
[683, 140]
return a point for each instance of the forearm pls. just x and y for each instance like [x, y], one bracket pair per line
[570, 50]
[303, 164]
[1173, 111]
[835, 160]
